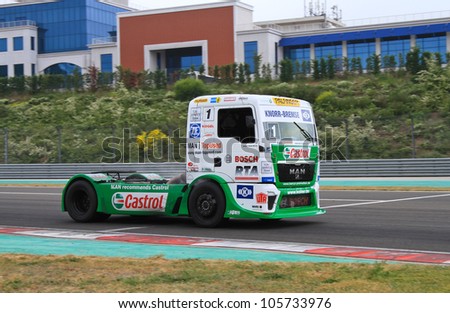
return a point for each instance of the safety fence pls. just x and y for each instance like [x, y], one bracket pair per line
[350, 168]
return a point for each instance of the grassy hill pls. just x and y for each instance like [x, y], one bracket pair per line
[359, 116]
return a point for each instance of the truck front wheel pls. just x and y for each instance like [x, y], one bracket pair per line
[80, 201]
[207, 204]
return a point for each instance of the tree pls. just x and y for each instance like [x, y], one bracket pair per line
[413, 61]
[189, 88]
[323, 68]
[160, 79]
[248, 75]
[257, 66]
[286, 71]
[331, 67]
[241, 73]
[267, 72]
[316, 69]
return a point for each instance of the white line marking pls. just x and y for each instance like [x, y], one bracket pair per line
[386, 201]
[30, 193]
[119, 229]
[347, 200]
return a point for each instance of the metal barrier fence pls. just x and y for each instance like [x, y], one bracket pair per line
[352, 168]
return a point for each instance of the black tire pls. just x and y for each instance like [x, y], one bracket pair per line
[81, 202]
[207, 204]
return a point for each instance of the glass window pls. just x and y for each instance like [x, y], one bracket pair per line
[106, 63]
[289, 131]
[433, 43]
[394, 46]
[188, 62]
[66, 19]
[63, 69]
[299, 55]
[183, 59]
[250, 51]
[18, 43]
[362, 49]
[3, 45]
[32, 44]
[237, 123]
[18, 70]
[3, 70]
[33, 69]
[325, 50]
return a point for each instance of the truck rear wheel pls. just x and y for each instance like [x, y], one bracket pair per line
[207, 204]
[80, 201]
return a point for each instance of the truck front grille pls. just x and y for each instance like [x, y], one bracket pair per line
[298, 172]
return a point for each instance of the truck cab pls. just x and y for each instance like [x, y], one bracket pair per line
[262, 151]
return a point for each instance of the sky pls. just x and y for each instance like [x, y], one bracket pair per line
[266, 10]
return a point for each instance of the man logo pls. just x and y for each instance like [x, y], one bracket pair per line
[118, 201]
[244, 192]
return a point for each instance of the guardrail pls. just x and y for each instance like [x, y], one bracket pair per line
[387, 168]
[352, 168]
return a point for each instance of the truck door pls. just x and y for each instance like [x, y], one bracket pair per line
[236, 131]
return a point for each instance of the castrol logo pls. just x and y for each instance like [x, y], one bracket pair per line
[139, 201]
[296, 153]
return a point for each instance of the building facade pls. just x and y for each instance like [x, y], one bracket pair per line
[224, 33]
[38, 37]
[67, 35]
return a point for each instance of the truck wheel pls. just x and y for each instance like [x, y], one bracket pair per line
[207, 204]
[81, 203]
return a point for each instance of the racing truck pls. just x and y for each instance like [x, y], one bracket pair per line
[247, 156]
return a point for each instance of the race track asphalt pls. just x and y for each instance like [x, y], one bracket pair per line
[377, 219]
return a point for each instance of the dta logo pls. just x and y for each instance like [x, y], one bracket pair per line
[118, 201]
[261, 198]
[306, 115]
[244, 192]
[194, 131]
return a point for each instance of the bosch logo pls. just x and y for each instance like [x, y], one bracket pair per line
[244, 192]
[246, 159]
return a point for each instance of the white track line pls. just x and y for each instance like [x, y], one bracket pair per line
[348, 200]
[30, 193]
[120, 229]
[385, 201]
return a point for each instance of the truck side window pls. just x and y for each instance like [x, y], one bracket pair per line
[237, 123]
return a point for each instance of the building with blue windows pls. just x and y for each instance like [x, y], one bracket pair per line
[47, 36]
[393, 40]
[64, 36]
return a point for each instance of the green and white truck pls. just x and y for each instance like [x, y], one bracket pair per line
[247, 156]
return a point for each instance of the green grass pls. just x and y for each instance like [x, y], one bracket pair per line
[26, 273]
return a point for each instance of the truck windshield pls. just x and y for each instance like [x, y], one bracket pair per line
[290, 131]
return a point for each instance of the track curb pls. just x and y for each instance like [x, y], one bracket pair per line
[327, 251]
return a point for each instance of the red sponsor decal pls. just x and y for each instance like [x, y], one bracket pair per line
[246, 159]
[211, 145]
[296, 153]
[139, 201]
[261, 198]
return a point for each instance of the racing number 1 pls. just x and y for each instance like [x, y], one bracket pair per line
[208, 114]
